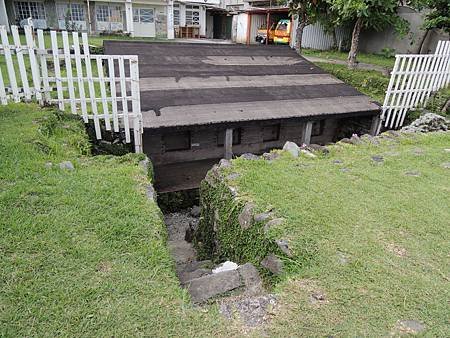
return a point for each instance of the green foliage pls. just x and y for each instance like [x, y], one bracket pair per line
[375, 14]
[369, 82]
[83, 252]
[377, 237]
[388, 52]
[437, 101]
[439, 16]
[374, 59]
[220, 235]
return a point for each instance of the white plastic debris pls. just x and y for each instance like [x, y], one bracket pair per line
[226, 266]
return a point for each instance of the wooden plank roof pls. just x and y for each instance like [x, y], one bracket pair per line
[197, 84]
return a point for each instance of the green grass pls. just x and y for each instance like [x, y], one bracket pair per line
[372, 240]
[82, 252]
[370, 82]
[374, 59]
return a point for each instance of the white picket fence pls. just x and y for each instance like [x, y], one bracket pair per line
[413, 78]
[101, 88]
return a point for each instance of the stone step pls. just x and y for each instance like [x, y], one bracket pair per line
[209, 286]
[245, 278]
[182, 251]
[187, 276]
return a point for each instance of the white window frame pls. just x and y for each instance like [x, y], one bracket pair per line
[107, 12]
[26, 9]
[139, 15]
[68, 8]
[192, 15]
[176, 14]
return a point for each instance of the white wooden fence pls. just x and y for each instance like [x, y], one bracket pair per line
[102, 88]
[413, 79]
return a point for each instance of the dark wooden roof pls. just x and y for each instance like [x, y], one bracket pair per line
[196, 84]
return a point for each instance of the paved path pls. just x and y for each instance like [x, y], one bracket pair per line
[361, 65]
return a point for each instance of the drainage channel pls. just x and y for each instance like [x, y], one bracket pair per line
[238, 288]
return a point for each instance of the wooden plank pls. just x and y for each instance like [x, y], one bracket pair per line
[55, 52]
[87, 59]
[79, 70]
[35, 73]
[21, 62]
[44, 69]
[112, 87]
[9, 64]
[306, 132]
[136, 105]
[105, 107]
[400, 96]
[408, 91]
[433, 68]
[68, 63]
[123, 90]
[228, 144]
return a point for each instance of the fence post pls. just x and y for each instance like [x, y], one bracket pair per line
[136, 104]
[35, 73]
[44, 70]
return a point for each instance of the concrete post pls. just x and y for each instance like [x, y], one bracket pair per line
[306, 132]
[170, 25]
[375, 127]
[129, 17]
[228, 144]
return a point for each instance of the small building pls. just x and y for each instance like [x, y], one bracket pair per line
[204, 102]
[140, 18]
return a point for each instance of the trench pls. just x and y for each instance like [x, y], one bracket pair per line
[237, 289]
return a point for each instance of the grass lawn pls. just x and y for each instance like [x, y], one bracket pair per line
[82, 252]
[372, 238]
[374, 59]
[370, 82]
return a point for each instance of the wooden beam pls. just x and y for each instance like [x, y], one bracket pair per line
[228, 144]
[306, 132]
[249, 27]
[375, 127]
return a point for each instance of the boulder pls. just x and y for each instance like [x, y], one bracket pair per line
[66, 165]
[209, 286]
[271, 156]
[284, 246]
[291, 148]
[245, 218]
[251, 279]
[249, 156]
[273, 264]
[195, 211]
[428, 122]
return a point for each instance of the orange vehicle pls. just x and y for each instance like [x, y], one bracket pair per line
[261, 35]
[283, 32]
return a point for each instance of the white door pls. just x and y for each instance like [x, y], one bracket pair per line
[144, 21]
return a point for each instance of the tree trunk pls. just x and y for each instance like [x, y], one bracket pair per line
[421, 50]
[351, 60]
[300, 29]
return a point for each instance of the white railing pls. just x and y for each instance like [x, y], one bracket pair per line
[101, 88]
[413, 78]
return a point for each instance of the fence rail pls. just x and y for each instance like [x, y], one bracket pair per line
[101, 88]
[413, 79]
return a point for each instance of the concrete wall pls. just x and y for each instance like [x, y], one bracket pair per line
[3, 14]
[239, 28]
[374, 42]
